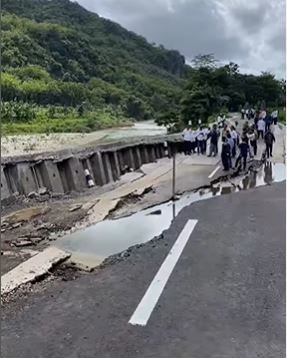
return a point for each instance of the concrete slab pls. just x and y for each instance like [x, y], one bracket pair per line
[5, 192]
[84, 262]
[32, 269]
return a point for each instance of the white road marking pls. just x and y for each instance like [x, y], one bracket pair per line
[214, 172]
[152, 295]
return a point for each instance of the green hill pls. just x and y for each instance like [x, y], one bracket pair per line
[61, 60]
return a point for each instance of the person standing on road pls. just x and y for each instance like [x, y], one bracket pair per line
[192, 140]
[269, 140]
[256, 119]
[244, 150]
[186, 140]
[225, 154]
[232, 145]
[214, 136]
[206, 132]
[261, 127]
[252, 137]
[268, 122]
[235, 137]
[274, 116]
[200, 141]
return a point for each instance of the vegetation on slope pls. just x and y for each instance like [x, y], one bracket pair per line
[67, 69]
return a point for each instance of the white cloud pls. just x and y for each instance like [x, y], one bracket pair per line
[249, 32]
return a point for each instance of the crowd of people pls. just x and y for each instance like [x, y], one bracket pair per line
[236, 147]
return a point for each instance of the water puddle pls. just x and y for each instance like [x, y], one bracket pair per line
[114, 236]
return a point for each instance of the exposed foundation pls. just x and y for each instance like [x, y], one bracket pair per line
[66, 172]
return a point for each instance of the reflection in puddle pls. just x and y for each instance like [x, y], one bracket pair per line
[113, 236]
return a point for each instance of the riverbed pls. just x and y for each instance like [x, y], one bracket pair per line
[38, 143]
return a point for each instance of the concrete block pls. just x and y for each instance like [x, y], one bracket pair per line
[108, 167]
[137, 157]
[144, 154]
[115, 165]
[78, 176]
[98, 170]
[121, 160]
[5, 192]
[151, 153]
[157, 151]
[129, 158]
[26, 179]
[51, 177]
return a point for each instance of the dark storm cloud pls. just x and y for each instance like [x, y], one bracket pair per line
[249, 32]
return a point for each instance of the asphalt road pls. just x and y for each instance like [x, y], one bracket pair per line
[224, 299]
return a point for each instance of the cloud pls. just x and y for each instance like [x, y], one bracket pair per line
[249, 32]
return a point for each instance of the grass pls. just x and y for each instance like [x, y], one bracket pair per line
[90, 123]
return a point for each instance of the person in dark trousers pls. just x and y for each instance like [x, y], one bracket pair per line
[252, 137]
[186, 141]
[256, 119]
[213, 135]
[200, 141]
[235, 137]
[225, 154]
[231, 143]
[244, 149]
[269, 140]
[268, 122]
[261, 128]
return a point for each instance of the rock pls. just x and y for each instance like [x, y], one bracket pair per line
[43, 191]
[32, 195]
[36, 240]
[22, 243]
[14, 226]
[45, 226]
[3, 230]
[75, 207]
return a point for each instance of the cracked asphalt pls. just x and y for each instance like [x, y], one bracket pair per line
[224, 299]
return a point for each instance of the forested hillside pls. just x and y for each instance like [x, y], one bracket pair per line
[67, 69]
[56, 53]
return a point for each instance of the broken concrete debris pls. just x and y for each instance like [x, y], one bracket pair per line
[32, 269]
[23, 215]
[75, 207]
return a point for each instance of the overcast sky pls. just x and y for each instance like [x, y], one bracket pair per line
[248, 32]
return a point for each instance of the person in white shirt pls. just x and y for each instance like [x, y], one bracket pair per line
[206, 132]
[235, 138]
[261, 127]
[274, 116]
[252, 138]
[200, 139]
[192, 140]
[186, 141]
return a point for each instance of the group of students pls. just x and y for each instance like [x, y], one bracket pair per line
[246, 145]
[195, 141]
[235, 147]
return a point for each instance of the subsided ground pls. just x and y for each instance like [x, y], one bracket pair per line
[225, 297]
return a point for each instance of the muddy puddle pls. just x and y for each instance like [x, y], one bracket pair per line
[114, 236]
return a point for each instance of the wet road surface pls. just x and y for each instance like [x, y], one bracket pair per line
[225, 296]
[110, 237]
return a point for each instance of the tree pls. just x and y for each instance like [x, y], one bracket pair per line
[205, 61]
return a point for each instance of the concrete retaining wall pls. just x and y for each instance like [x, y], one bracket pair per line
[62, 173]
